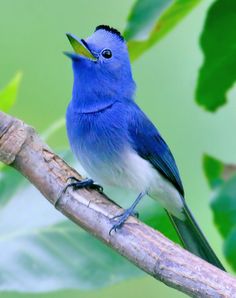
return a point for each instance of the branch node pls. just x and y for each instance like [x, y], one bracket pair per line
[13, 135]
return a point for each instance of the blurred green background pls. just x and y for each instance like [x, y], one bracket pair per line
[32, 40]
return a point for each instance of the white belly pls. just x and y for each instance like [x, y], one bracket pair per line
[133, 172]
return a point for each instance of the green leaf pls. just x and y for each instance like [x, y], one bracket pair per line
[216, 171]
[213, 169]
[230, 248]
[42, 251]
[150, 20]
[142, 18]
[9, 93]
[224, 206]
[222, 178]
[218, 72]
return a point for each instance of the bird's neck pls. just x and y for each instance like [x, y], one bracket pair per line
[93, 93]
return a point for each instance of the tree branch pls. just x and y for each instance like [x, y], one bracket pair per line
[21, 148]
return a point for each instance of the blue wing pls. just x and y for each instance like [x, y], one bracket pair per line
[148, 143]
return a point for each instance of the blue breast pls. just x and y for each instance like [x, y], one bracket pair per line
[99, 138]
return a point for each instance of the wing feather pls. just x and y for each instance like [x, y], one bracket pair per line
[149, 144]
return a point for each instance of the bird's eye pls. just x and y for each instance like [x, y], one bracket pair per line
[107, 53]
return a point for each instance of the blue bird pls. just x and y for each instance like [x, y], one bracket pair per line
[115, 141]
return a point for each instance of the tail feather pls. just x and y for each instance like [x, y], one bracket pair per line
[193, 239]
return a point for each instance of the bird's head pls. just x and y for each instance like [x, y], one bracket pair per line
[101, 63]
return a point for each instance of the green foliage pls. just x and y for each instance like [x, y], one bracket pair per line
[223, 202]
[213, 169]
[155, 216]
[9, 93]
[218, 72]
[216, 76]
[143, 17]
[230, 248]
[150, 20]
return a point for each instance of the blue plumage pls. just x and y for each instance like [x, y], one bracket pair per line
[152, 147]
[115, 141]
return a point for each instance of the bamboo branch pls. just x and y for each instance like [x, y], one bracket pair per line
[22, 148]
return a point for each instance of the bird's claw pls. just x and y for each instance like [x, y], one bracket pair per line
[115, 227]
[72, 178]
[122, 219]
[97, 187]
[86, 183]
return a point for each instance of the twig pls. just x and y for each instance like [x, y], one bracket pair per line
[22, 148]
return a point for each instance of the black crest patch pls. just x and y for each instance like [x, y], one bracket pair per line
[110, 29]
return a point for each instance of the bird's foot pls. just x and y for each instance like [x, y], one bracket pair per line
[121, 219]
[128, 212]
[85, 183]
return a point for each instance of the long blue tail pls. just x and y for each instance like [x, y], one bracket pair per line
[193, 239]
